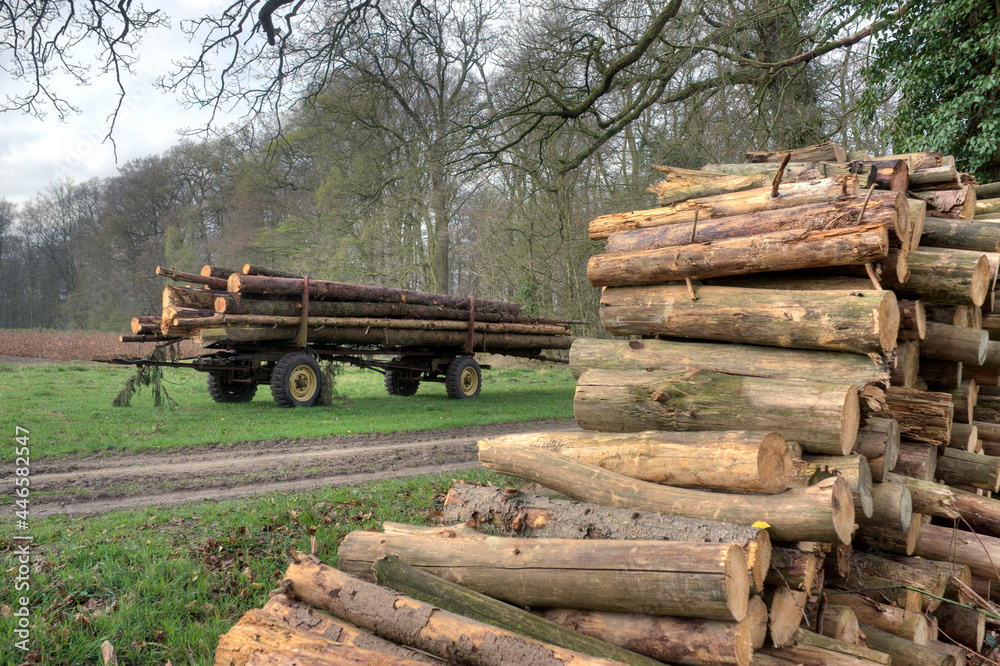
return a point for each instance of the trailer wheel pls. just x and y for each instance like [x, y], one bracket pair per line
[223, 389]
[397, 383]
[296, 380]
[464, 378]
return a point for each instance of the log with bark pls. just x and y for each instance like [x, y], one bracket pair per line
[981, 514]
[904, 651]
[906, 367]
[923, 416]
[961, 234]
[922, 160]
[821, 512]
[928, 498]
[668, 192]
[965, 626]
[838, 622]
[912, 320]
[821, 417]
[909, 624]
[892, 506]
[959, 204]
[939, 177]
[193, 278]
[981, 553]
[878, 438]
[873, 536]
[956, 315]
[962, 468]
[808, 647]
[189, 297]
[943, 275]
[954, 343]
[822, 152]
[965, 398]
[853, 321]
[930, 578]
[854, 468]
[779, 251]
[793, 568]
[917, 460]
[940, 375]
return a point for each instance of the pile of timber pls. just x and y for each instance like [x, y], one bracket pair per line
[790, 461]
[260, 305]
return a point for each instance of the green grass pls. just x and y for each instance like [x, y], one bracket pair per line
[163, 584]
[67, 408]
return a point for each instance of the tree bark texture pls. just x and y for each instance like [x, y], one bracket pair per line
[962, 468]
[943, 275]
[959, 204]
[823, 152]
[961, 234]
[981, 513]
[923, 416]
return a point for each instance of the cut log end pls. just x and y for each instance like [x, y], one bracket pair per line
[850, 420]
[981, 281]
[887, 320]
[774, 463]
[843, 510]
[736, 583]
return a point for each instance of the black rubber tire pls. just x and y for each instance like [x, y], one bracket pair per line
[397, 385]
[296, 380]
[222, 390]
[464, 379]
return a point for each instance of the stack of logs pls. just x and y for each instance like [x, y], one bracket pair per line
[261, 305]
[788, 467]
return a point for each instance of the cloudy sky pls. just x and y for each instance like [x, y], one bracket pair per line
[36, 152]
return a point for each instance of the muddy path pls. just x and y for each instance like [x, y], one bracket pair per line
[97, 484]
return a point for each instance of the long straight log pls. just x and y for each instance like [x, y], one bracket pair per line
[146, 325]
[821, 417]
[981, 553]
[928, 498]
[416, 624]
[667, 194]
[250, 269]
[940, 176]
[943, 275]
[189, 297]
[724, 205]
[930, 580]
[889, 209]
[961, 234]
[878, 438]
[180, 276]
[821, 152]
[854, 321]
[987, 207]
[954, 343]
[965, 626]
[810, 648]
[923, 416]
[908, 624]
[892, 506]
[821, 512]
[734, 460]
[987, 191]
[678, 355]
[962, 468]
[375, 323]
[342, 291]
[704, 580]
[904, 651]
[778, 251]
[499, 512]
[981, 514]
[922, 160]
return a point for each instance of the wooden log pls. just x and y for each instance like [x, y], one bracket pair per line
[793, 568]
[903, 541]
[957, 651]
[923, 416]
[811, 648]
[370, 322]
[906, 364]
[979, 551]
[857, 321]
[909, 624]
[260, 639]
[823, 152]
[917, 460]
[208, 270]
[941, 375]
[987, 191]
[501, 512]
[410, 622]
[342, 291]
[981, 514]
[885, 208]
[821, 512]
[786, 611]
[961, 234]
[928, 498]
[854, 468]
[957, 204]
[151, 337]
[189, 297]
[988, 431]
[146, 325]
[943, 275]
[904, 651]
[930, 578]
[794, 171]
[965, 626]
[180, 276]
[741, 460]
[964, 437]
[837, 622]
[392, 572]
[783, 250]
[924, 160]
[954, 343]
[877, 438]
[877, 588]
[704, 580]
[772, 362]
[956, 315]
[250, 269]
[674, 639]
[892, 506]
[918, 220]
[667, 194]
[964, 398]
[987, 207]
[821, 417]
[912, 320]
[939, 176]
[891, 175]
[984, 377]
[757, 618]
[962, 468]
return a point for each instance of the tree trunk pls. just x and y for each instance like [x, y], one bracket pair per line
[923, 416]
[853, 321]
[250, 269]
[667, 195]
[903, 651]
[912, 320]
[210, 282]
[961, 468]
[770, 362]
[892, 507]
[419, 625]
[946, 276]
[780, 251]
[879, 438]
[954, 343]
[934, 177]
[908, 624]
[987, 207]
[821, 512]
[981, 513]
[961, 234]
[823, 152]
[757, 462]
[392, 572]
[821, 417]
[987, 191]
[503, 513]
[854, 468]
[888, 209]
[724, 205]
[928, 498]
[704, 580]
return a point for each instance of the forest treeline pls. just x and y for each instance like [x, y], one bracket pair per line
[450, 148]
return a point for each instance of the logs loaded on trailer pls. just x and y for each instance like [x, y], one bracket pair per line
[263, 326]
[788, 456]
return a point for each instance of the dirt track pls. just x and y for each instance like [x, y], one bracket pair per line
[96, 484]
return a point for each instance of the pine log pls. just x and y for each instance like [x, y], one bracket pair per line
[796, 281]
[854, 468]
[724, 205]
[892, 507]
[906, 368]
[964, 626]
[943, 275]
[877, 588]
[704, 580]
[878, 438]
[928, 498]
[837, 622]
[779, 251]
[957, 651]
[980, 552]
[821, 417]
[909, 624]
[209, 270]
[981, 514]
[918, 220]
[917, 460]
[259, 639]
[374, 323]
[757, 462]
[888, 209]
[787, 610]
[964, 437]
[180, 276]
[923, 416]
[985, 378]
[674, 639]
[903, 542]
[771, 362]
[308, 620]
[941, 375]
[912, 320]
[392, 572]
[822, 152]
[858, 321]
[923, 160]
[810, 648]
[250, 269]
[961, 234]
[189, 297]
[410, 622]
[146, 325]
[342, 291]
[931, 578]
[987, 207]
[667, 194]
[934, 177]
[961, 468]
[954, 343]
[957, 204]
[904, 651]
[956, 315]
[965, 398]
[502, 512]
[821, 512]
[793, 568]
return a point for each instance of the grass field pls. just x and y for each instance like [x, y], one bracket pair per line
[67, 408]
[162, 585]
